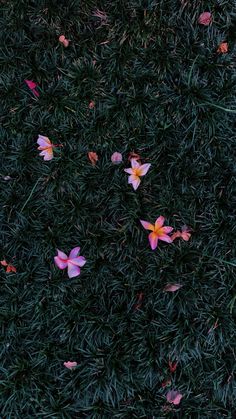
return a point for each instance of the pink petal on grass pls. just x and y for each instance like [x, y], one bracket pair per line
[116, 158]
[147, 225]
[205, 18]
[174, 397]
[48, 154]
[135, 164]
[144, 169]
[73, 270]
[153, 240]
[43, 141]
[70, 364]
[78, 261]
[74, 252]
[32, 86]
[159, 222]
[172, 287]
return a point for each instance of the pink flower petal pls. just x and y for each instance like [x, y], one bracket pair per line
[61, 264]
[129, 171]
[168, 229]
[172, 287]
[159, 222]
[135, 164]
[153, 240]
[43, 141]
[48, 154]
[174, 397]
[73, 270]
[165, 238]
[70, 364]
[31, 84]
[79, 261]
[135, 182]
[116, 158]
[74, 252]
[205, 18]
[144, 169]
[147, 225]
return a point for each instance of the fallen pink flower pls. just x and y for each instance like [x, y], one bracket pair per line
[32, 86]
[91, 104]
[205, 18]
[184, 234]
[65, 42]
[172, 287]
[136, 171]
[46, 147]
[174, 397]
[73, 263]
[158, 232]
[116, 158]
[70, 364]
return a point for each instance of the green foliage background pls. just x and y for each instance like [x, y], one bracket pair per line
[161, 90]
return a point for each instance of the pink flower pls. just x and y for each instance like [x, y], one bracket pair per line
[32, 86]
[174, 397]
[46, 147]
[184, 234]
[62, 39]
[73, 263]
[116, 158]
[205, 18]
[70, 364]
[136, 171]
[158, 232]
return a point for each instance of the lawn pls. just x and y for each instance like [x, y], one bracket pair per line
[136, 77]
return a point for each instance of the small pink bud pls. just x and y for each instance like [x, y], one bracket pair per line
[205, 18]
[116, 158]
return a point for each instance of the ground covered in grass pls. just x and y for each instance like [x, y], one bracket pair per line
[163, 91]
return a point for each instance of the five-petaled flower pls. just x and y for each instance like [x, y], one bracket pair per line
[158, 232]
[73, 263]
[136, 171]
[46, 147]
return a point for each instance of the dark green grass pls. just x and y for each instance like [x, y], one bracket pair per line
[162, 91]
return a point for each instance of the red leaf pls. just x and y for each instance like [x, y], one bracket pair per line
[11, 268]
[172, 287]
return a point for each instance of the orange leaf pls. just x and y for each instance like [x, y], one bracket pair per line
[93, 157]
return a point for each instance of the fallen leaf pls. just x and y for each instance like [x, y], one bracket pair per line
[93, 157]
[172, 287]
[174, 397]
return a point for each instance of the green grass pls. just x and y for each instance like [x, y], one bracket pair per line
[162, 91]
